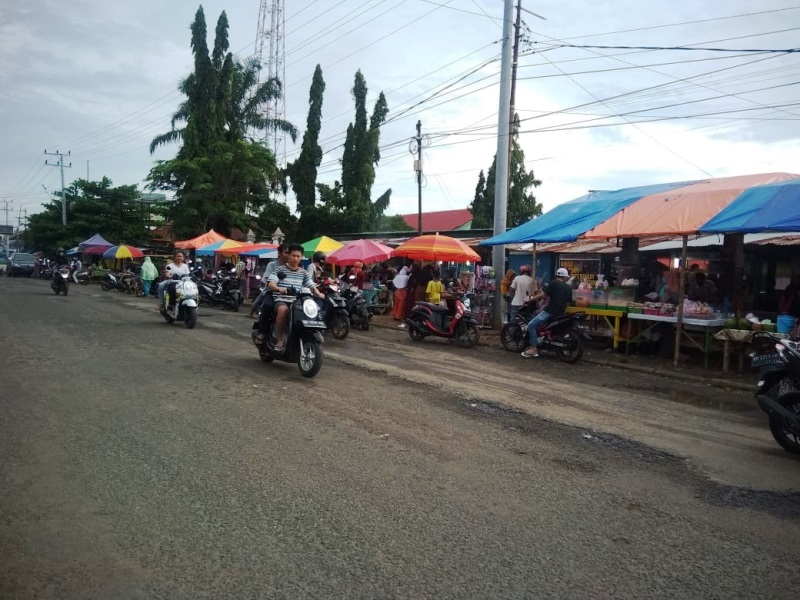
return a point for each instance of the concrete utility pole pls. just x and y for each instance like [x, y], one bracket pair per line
[61, 165]
[7, 203]
[503, 137]
[418, 169]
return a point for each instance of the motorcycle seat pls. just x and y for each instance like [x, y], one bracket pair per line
[434, 307]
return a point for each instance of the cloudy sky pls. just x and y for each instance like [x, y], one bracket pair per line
[98, 79]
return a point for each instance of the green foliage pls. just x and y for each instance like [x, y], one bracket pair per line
[272, 216]
[347, 207]
[92, 207]
[392, 223]
[219, 175]
[522, 206]
[303, 171]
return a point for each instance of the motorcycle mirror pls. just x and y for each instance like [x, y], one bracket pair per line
[352, 277]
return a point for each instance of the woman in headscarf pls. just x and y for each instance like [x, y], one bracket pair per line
[505, 290]
[360, 276]
[149, 274]
[400, 283]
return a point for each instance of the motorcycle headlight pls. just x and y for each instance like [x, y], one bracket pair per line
[310, 308]
[189, 288]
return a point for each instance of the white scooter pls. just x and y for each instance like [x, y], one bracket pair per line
[185, 306]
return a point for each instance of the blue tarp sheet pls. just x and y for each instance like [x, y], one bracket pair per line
[567, 222]
[774, 207]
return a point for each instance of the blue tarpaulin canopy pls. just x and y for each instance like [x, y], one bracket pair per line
[773, 207]
[567, 222]
[95, 240]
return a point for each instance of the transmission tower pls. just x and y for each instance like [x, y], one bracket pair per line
[271, 52]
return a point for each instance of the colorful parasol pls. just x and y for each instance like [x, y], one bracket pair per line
[366, 251]
[262, 250]
[122, 251]
[209, 237]
[320, 244]
[225, 247]
[436, 247]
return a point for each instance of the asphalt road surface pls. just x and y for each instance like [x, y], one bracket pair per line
[143, 460]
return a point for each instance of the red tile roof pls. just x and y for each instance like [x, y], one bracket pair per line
[441, 220]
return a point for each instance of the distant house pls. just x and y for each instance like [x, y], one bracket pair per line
[441, 220]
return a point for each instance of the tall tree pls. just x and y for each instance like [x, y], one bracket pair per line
[219, 175]
[348, 206]
[303, 171]
[522, 205]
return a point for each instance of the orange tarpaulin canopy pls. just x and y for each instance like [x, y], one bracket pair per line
[208, 238]
[682, 210]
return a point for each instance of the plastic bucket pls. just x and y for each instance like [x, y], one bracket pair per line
[785, 323]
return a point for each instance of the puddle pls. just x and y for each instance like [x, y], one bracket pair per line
[682, 397]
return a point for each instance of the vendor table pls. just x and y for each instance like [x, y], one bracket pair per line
[612, 318]
[739, 337]
[706, 324]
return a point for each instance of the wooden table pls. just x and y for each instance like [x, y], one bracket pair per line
[706, 324]
[739, 337]
[612, 318]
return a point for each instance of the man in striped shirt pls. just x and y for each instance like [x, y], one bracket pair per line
[294, 277]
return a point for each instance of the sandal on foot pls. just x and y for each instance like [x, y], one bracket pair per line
[528, 354]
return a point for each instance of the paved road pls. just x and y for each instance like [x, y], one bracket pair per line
[143, 460]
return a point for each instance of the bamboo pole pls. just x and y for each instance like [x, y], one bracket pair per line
[681, 292]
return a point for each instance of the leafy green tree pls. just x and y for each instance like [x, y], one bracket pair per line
[348, 207]
[92, 207]
[392, 223]
[219, 176]
[522, 205]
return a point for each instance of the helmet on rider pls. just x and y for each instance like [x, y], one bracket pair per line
[525, 269]
[319, 257]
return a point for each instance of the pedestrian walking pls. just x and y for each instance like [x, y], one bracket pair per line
[400, 284]
[149, 274]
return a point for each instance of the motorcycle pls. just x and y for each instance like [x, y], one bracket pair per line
[335, 313]
[778, 389]
[303, 333]
[110, 282]
[452, 322]
[83, 277]
[356, 306]
[222, 291]
[565, 334]
[60, 282]
[184, 308]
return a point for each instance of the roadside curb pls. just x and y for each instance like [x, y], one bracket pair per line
[670, 374]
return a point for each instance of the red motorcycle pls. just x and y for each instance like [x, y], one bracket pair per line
[452, 322]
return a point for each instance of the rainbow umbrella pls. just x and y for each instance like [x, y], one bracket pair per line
[366, 251]
[436, 247]
[122, 251]
[226, 247]
[262, 250]
[321, 244]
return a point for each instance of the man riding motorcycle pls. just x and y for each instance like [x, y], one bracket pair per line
[178, 267]
[560, 295]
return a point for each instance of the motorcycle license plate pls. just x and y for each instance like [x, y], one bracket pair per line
[765, 358]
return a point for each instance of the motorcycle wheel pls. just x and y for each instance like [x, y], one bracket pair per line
[787, 440]
[364, 319]
[66, 289]
[235, 302]
[415, 334]
[104, 287]
[57, 290]
[340, 327]
[266, 357]
[309, 361]
[467, 335]
[512, 336]
[191, 317]
[573, 347]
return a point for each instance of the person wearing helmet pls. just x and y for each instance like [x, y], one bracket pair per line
[560, 294]
[521, 288]
[316, 266]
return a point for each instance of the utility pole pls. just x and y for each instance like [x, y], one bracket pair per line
[7, 203]
[61, 165]
[503, 146]
[6, 235]
[418, 169]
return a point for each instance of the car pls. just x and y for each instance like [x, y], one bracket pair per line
[20, 264]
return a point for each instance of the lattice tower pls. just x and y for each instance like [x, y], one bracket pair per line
[271, 52]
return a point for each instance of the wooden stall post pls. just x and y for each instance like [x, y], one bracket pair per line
[681, 292]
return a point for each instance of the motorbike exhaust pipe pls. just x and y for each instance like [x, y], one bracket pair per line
[413, 323]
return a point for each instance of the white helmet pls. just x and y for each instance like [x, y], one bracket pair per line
[562, 272]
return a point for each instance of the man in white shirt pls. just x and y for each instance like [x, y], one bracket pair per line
[522, 287]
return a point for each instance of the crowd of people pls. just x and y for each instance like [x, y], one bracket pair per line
[418, 282]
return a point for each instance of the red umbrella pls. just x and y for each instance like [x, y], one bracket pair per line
[436, 247]
[366, 251]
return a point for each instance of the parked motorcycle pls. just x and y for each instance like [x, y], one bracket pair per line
[453, 322]
[564, 334]
[60, 282]
[222, 291]
[778, 390]
[83, 277]
[356, 306]
[303, 333]
[110, 282]
[335, 313]
[184, 307]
